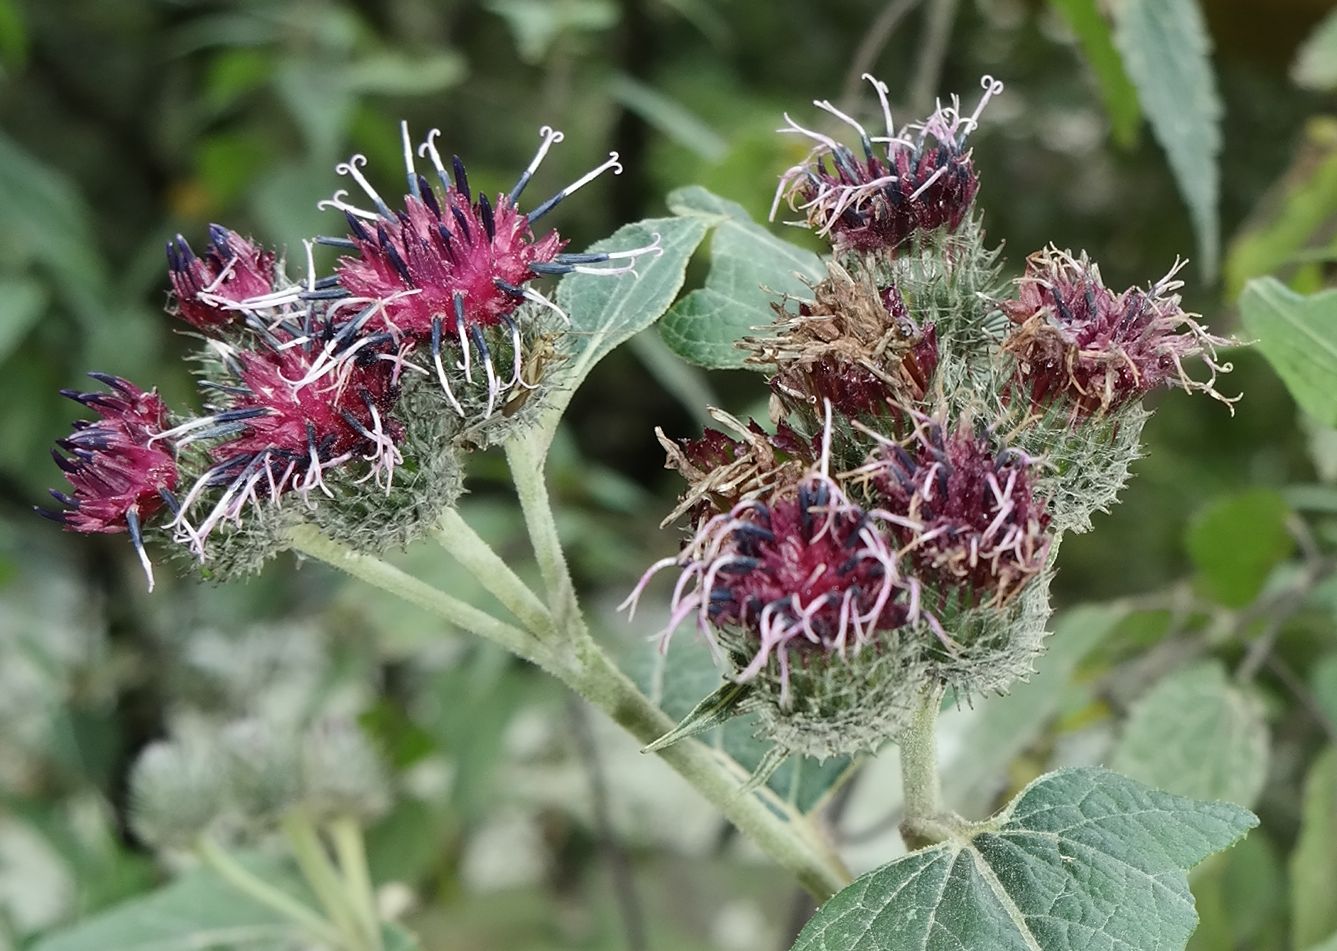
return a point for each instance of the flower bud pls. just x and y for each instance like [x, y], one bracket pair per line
[176, 793]
[342, 775]
[262, 771]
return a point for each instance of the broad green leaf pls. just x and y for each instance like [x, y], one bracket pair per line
[749, 268]
[1166, 52]
[538, 24]
[1294, 220]
[1313, 864]
[1315, 65]
[1298, 336]
[606, 310]
[1196, 734]
[1236, 541]
[196, 911]
[1092, 30]
[1081, 860]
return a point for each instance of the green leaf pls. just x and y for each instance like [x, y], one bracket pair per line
[1315, 65]
[607, 310]
[1236, 541]
[1165, 50]
[1313, 864]
[1082, 859]
[1294, 221]
[196, 911]
[1298, 336]
[397, 74]
[1241, 898]
[716, 710]
[538, 24]
[1196, 734]
[1088, 24]
[703, 327]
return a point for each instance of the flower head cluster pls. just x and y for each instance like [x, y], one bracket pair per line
[918, 178]
[315, 387]
[1079, 342]
[119, 475]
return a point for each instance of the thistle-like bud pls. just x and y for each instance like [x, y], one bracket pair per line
[853, 344]
[176, 793]
[723, 470]
[342, 775]
[963, 511]
[912, 180]
[262, 771]
[206, 289]
[1080, 358]
[121, 471]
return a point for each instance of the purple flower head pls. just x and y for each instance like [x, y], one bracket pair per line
[207, 288]
[963, 512]
[853, 344]
[804, 572]
[286, 422]
[722, 470]
[120, 472]
[452, 266]
[1077, 341]
[917, 179]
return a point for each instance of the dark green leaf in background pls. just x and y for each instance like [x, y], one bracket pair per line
[1236, 541]
[1092, 30]
[1298, 336]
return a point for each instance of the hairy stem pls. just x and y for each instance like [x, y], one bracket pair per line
[919, 773]
[351, 851]
[321, 875]
[243, 880]
[467, 547]
[531, 488]
[381, 574]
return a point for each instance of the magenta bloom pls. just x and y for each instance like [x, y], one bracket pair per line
[120, 472]
[1078, 341]
[208, 288]
[805, 571]
[292, 415]
[963, 512]
[452, 266]
[914, 180]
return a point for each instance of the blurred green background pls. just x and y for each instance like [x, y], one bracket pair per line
[122, 124]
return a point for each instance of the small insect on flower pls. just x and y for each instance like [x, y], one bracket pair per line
[208, 289]
[278, 432]
[450, 270]
[120, 473]
[963, 512]
[1077, 341]
[915, 179]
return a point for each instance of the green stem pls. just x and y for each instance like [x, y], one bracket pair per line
[381, 574]
[320, 873]
[351, 851]
[465, 545]
[922, 824]
[239, 877]
[527, 465]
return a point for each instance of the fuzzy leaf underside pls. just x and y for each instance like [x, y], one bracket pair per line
[1197, 734]
[1082, 860]
[1298, 336]
[704, 327]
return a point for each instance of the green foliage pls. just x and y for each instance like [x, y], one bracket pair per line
[1298, 335]
[1165, 50]
[704, 326]
[1316, 63]
[1313, 863]
[1236, 541]
[1196, 734]
[1086, 20]
[1082, 859]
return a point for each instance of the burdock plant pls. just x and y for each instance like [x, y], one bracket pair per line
[883, 542]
